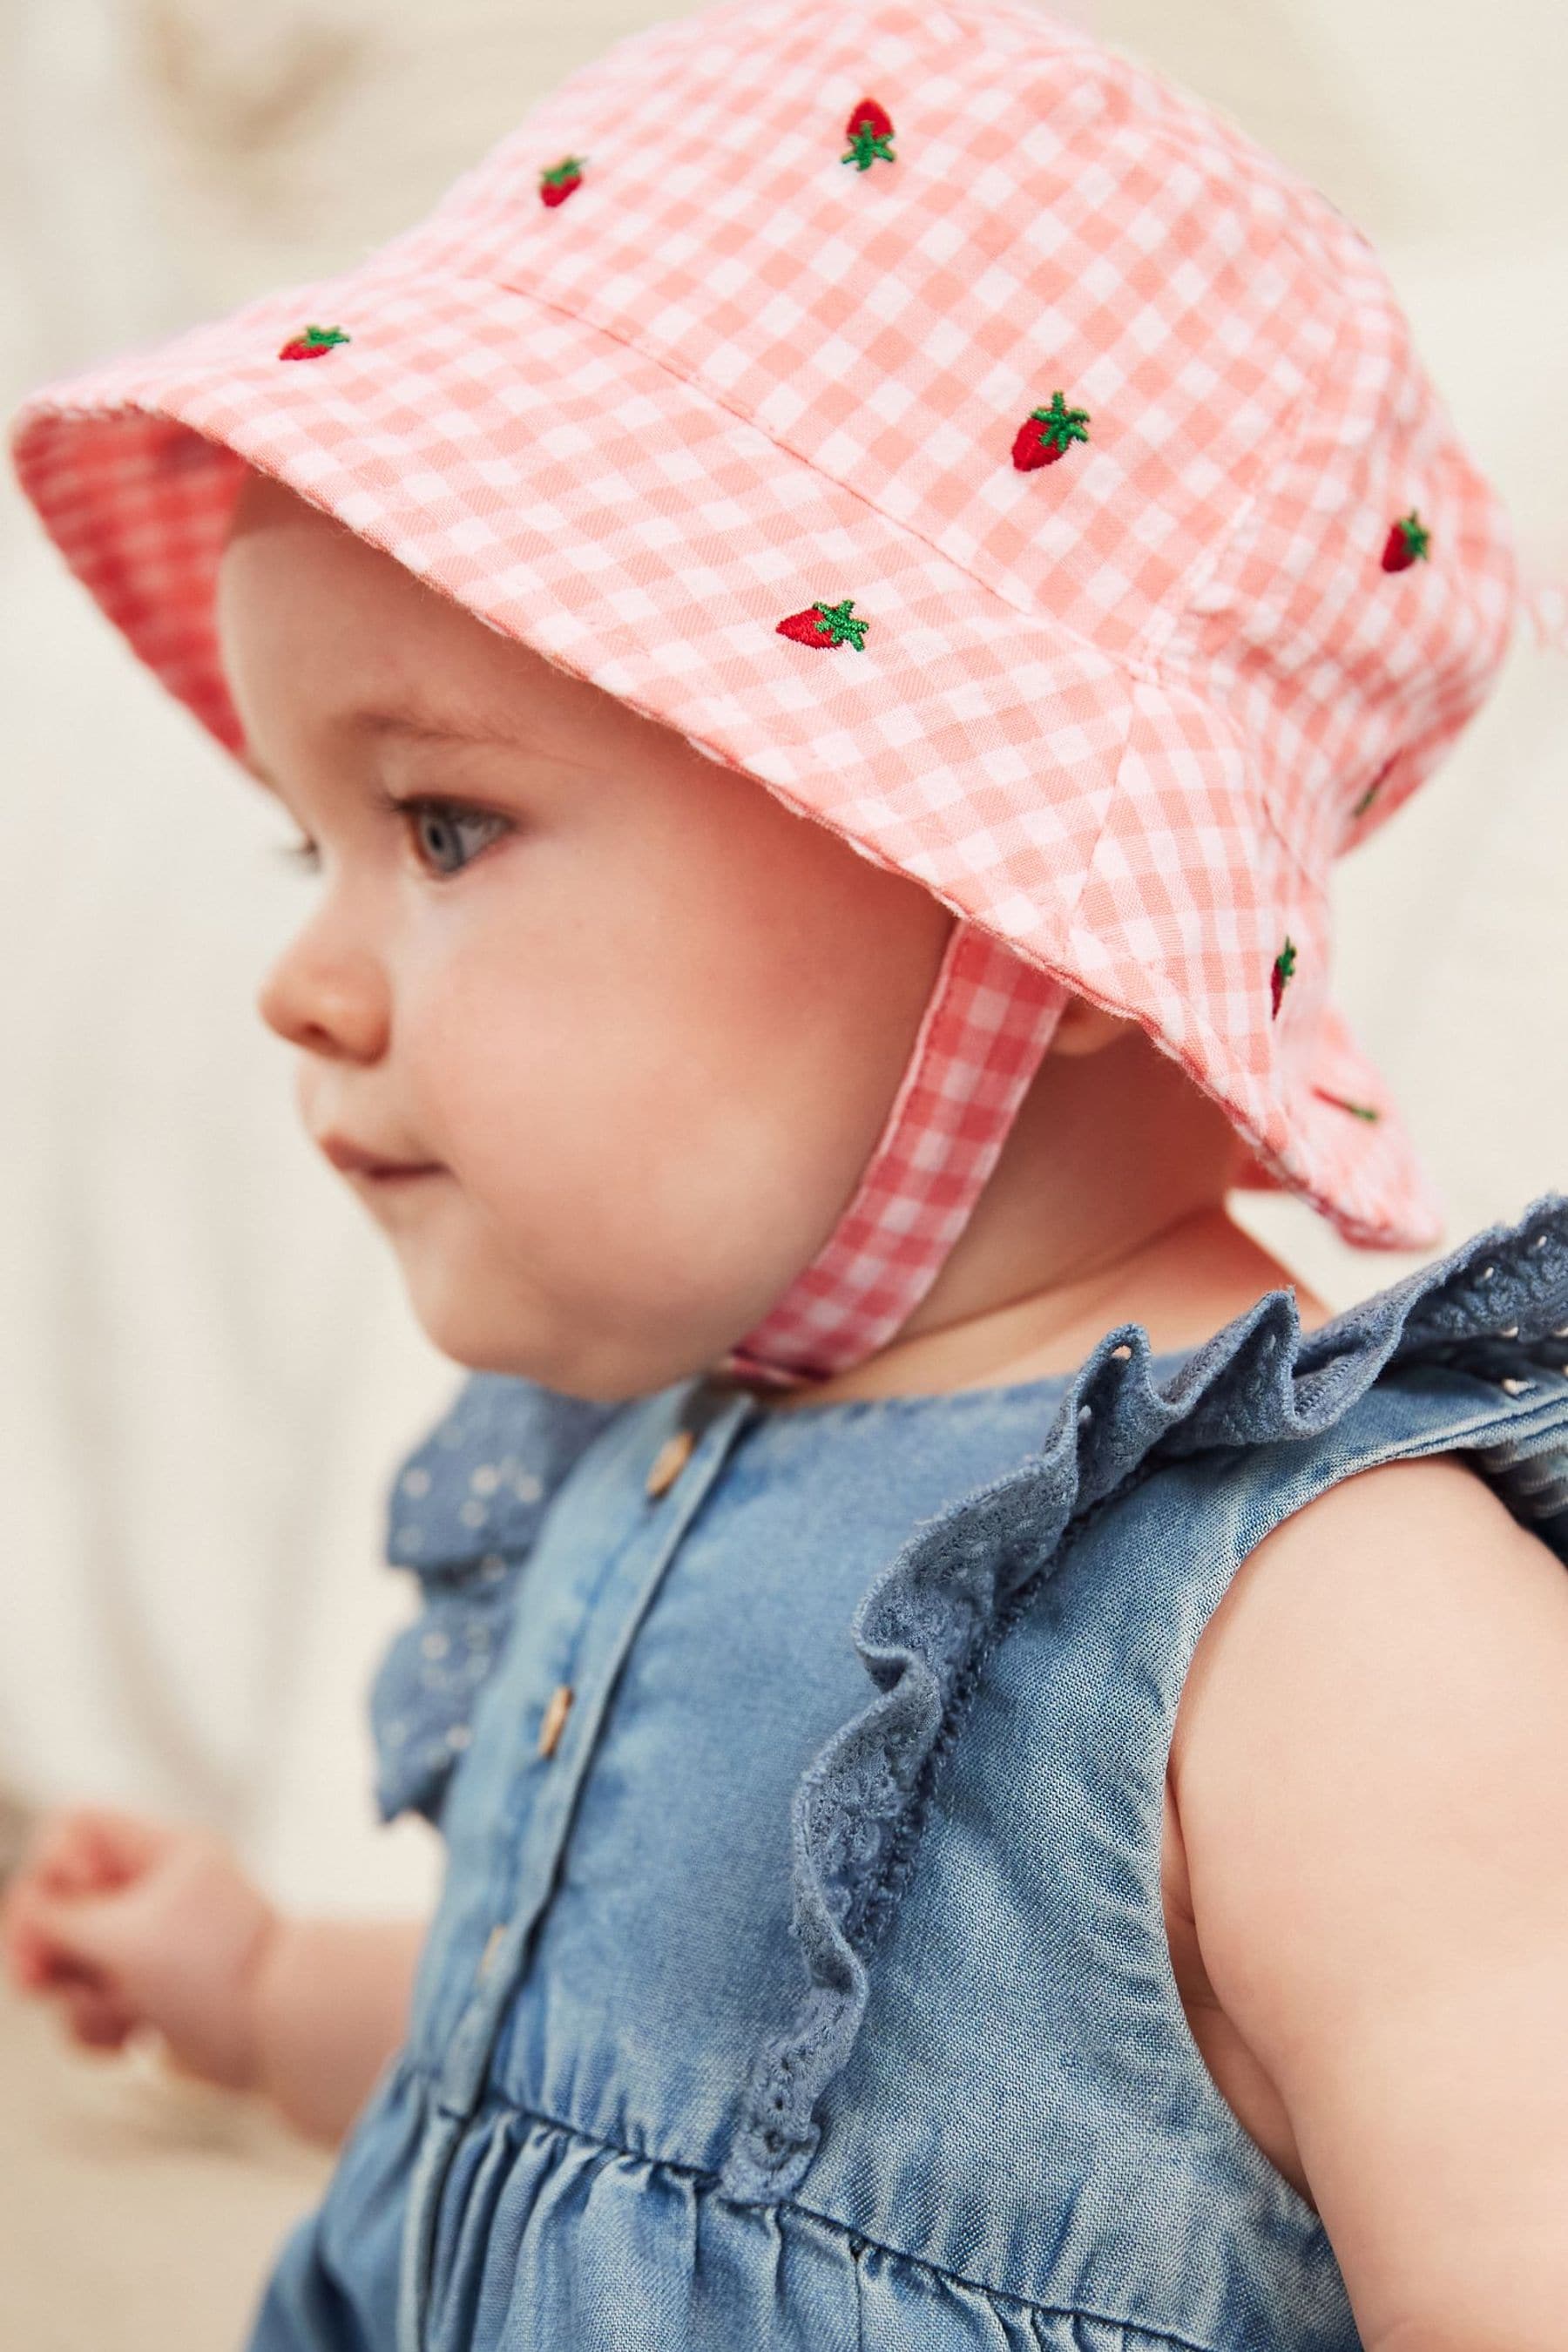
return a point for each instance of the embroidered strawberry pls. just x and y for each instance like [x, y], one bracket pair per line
[868, 130]
[1047, 434]
[1365, 801]
[1406, 542]
[313, 343]
[826, 625]
[1284, 965]
[1361, 1110]
[557, 181]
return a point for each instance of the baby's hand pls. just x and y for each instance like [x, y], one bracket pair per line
[132, 1922]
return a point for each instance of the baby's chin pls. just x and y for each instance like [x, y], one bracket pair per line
[473, 1315]
[491, 1299]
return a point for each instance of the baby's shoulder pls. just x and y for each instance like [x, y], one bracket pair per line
[1377, 1572]
[1382, 1619]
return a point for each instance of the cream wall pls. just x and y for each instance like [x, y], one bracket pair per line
[206, 1369]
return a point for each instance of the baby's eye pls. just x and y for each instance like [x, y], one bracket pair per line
[430, 821]
[433, 821]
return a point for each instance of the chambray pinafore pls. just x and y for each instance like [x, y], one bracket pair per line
[799, 1979]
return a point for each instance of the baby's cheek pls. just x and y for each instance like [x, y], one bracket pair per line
[641, 1157]
[543, 1120]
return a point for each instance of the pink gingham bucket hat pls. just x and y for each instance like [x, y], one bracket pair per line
[969, 435]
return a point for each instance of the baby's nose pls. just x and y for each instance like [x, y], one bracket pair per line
[327, 997]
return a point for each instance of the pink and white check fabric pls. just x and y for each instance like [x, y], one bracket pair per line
[982, 1036]
[1119, 712]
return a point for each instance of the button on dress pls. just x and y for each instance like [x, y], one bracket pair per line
[799, 1977]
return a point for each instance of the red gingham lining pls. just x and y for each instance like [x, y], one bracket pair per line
[1115, 713]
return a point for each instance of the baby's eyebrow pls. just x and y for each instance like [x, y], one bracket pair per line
[407, 723]
[416, 724]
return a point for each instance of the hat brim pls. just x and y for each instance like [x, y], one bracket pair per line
[576, 494]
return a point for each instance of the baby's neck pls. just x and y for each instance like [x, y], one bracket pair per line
[1188, 1283]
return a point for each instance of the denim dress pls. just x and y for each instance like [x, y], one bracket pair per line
[799, 1977]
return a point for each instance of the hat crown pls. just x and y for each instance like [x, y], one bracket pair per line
[1048, 222]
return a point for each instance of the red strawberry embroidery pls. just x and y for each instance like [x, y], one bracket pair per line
[826, 625]
[1361, 1110]
[868, 130]
[1047, 434]
[313, 343]
[557, 181]
[1406, 542]
[1284, 965]
[1365, 801]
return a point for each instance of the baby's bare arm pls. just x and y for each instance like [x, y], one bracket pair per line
[329, 2006]
[1371, 1768]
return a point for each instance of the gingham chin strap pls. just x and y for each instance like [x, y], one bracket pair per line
[982, 1037]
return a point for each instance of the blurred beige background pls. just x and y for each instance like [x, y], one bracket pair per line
[206, 1370]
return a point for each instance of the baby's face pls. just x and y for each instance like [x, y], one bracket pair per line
[644, 1022]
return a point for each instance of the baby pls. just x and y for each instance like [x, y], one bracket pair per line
[1004, 1772]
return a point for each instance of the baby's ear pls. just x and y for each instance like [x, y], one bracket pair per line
[1085, 1028]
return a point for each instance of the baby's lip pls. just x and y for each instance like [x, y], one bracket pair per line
[354, 1160]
